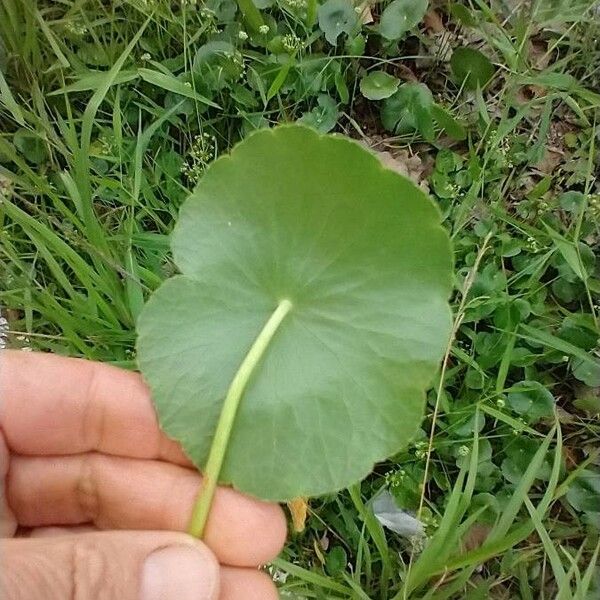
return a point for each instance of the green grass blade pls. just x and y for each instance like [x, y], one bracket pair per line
[172, 84]
[9, 101]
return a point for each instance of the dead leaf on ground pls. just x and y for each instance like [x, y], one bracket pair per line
[571, 456]
[433, 21]
[399, 160]
[404, 72]
[559, 127]
[475, 536]
[365, 16]
[539, 55]
[527, 93]
[551, 159]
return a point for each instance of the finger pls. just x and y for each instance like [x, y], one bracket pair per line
[153, 565]
[238, 584]
[8, 523]
[38, 532]
[56, 405]
[124, 493]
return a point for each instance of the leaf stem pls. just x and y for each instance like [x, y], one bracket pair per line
[227, 418]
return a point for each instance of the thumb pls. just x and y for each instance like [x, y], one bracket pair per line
[133, 565]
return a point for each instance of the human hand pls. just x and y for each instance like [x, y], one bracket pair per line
[83, 461]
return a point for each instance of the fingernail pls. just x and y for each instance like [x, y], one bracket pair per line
[179, 573]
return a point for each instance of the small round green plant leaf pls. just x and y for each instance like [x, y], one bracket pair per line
[322, 117]
[572, 201]
[30, 145]
[378, 85]
[471, 67]
[357, 255]
[336, 17]
[531, 400]
[409, 110]
[400, 16]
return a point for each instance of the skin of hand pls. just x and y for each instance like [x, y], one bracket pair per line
[95, 498]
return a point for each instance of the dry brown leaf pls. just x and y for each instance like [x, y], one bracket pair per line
[433, 22]
[398, 159]
[539, 55]
[551, 159]
[526, 93]
[571, 456]
[405, 72]
[403, 163]
[365, 16]
[298, 508]
[475, 536]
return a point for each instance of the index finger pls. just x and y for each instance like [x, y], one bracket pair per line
[55, 405]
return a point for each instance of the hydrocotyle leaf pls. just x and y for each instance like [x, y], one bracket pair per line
[336, 17]
[400, 16]
[471, 67]
[323, 117]
[409, 110]
[314, 288]
[378, 85]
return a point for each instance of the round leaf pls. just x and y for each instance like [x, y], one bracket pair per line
[531, 400]
[409, 110]
[216, 64]
[572, 201]
[322, 117]
[584, 493]
[336, 17]
[400, 16]
[471, 67]
[30, 145]
[359, 252]
[378, 85]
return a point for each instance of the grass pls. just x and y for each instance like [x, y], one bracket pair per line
[109, 114]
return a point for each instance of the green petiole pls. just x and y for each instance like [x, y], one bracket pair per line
[227, 419]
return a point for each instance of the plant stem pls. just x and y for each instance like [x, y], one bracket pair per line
[227, 418]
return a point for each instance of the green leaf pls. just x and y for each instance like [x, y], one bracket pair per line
[570, 253]
[587, 371]
[172, 84]
[572, 201]
[409, 110]
[319, 280]
[400, 16]
[356, 46]
[224, 9]
[336, 560]
[93, 79]
[323, 117]
[280, 79]
[463, 15]
[454, 128]
[31, 146]
[336, 17]
[8, 100]
[531, 400]
[217, 63]
[584, 493]
[251, 14]
[520, 453]
[378, 85]
[471, 67]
